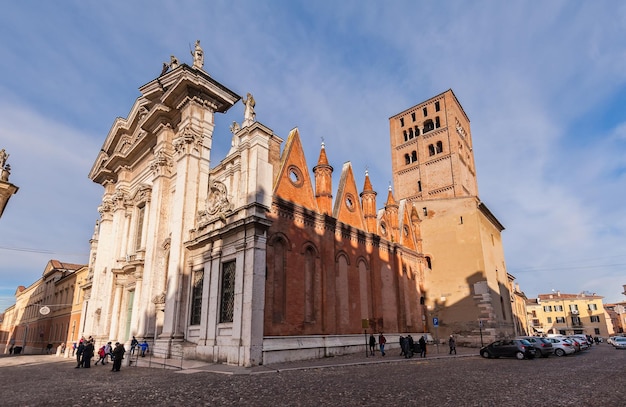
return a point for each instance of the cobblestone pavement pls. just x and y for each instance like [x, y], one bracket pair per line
[591, 378]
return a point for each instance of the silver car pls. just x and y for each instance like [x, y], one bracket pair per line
[561, 346]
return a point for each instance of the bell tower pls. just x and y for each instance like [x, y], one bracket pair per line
[431, 151]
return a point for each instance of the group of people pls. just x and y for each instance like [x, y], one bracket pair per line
[85, 349]
[142, 347]
[408, 345]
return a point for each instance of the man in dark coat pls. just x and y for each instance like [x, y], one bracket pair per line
[422, 343]
[79, 354]
[118, 355]
[88, 354]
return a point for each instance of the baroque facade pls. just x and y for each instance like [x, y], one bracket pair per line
[248, 259]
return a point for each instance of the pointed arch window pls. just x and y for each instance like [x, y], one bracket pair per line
[407, 159]
[431, 149]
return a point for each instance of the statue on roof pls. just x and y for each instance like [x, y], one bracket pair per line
[249, 116]
[3, 158]
[198, 56]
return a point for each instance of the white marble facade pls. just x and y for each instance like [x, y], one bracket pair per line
[169, 223]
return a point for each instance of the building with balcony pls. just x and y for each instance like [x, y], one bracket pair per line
[567, 314]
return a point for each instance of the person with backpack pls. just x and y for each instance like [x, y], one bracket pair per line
[102, 355]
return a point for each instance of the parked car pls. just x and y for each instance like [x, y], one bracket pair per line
[543, 347]
[619, 342]
[579, 345]
[562, 346]
[518, 348]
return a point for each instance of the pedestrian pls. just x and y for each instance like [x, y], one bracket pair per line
[144, 348]
[372, 344]
[402, 346]
[133, 344]
[88, 354]
[381, 342]
[102, 355]
[79, 354]
[452, 344]
[410, 345]
[11, 350]
[107, 350]
[118, 355]
[422, 343]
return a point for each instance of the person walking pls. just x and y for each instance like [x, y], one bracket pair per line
[118, 355]
[422, 343]
[88, 354]
[372, 344]
[107, 351]
[410, 345]
[133, 345]
[381, 342]
[102, 355]
[79, 353]
[452, 344]
[144, 348]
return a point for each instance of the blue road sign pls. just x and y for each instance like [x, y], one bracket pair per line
[435, 321]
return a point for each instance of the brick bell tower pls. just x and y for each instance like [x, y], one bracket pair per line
[431, 151]
[433, 169]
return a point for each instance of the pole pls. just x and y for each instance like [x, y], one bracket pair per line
[366, 344]
[480, 324]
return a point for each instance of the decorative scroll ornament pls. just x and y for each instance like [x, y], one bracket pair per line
[217, 205]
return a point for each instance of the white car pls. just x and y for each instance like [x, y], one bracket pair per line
[562, 346]
[619, 342]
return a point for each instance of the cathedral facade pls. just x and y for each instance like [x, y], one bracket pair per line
[245, 259]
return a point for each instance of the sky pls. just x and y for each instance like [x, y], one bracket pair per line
[544, 86]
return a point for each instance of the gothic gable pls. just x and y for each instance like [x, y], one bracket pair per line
[407, 233]
[348, 206]
[293, 182]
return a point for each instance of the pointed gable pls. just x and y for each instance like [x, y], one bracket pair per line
[293, 182]
[407, 233]
[347, 205]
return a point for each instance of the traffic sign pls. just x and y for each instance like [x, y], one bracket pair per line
[435, 321]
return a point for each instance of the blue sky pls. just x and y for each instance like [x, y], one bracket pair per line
[544, 86]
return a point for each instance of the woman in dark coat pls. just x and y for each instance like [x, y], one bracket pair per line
[118, 355]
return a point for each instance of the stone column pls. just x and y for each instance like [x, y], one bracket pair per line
[115, 312]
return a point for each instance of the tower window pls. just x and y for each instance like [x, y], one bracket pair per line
[406, 138]
[419, 186]
[431, 149]
[413, 156]
[407, 159]
[410, 133]
[402, 122]
[428, 126]
[437, 107]
[425, 110]
[425, 211]
[439, 147]
[429, 263]
[437, 122]
[413, 116]
[417, 131]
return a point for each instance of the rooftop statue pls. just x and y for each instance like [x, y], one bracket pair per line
[3, 158]
[249, 116]
[198, 56]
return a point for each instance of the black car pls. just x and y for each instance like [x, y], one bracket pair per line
[518, 348]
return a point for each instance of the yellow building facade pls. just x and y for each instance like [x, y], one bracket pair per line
[567, 314]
